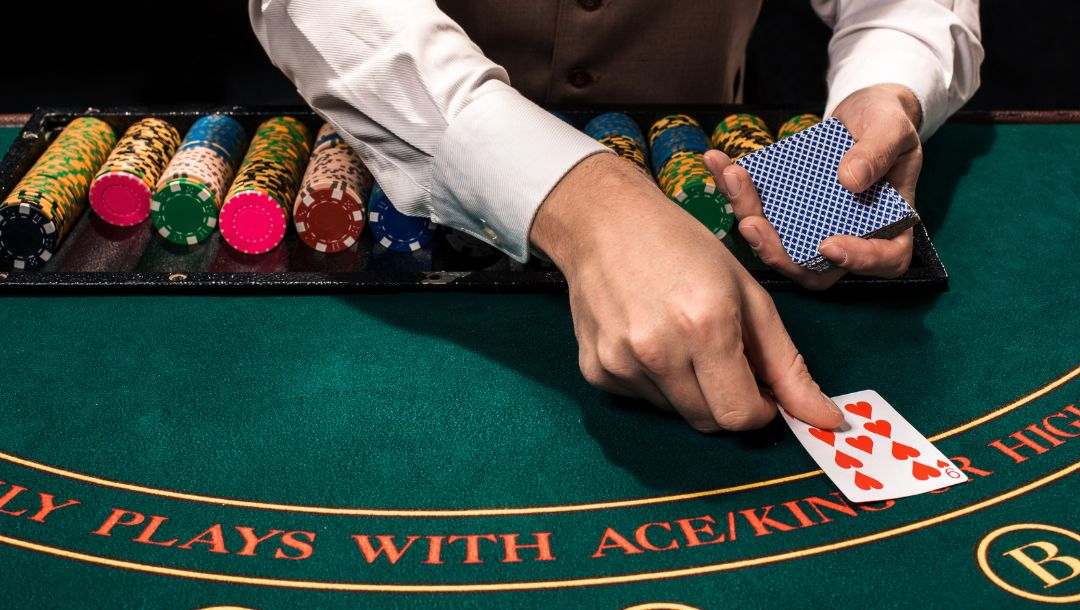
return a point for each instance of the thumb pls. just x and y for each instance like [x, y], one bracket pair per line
[876, 150]
[781, 368]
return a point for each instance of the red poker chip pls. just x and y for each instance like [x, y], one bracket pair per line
[120, 198]
[252, 222]
[328, 219]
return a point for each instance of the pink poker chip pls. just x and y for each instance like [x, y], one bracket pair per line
[120, 198]
[252, 222]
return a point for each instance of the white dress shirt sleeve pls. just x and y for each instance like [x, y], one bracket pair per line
[929, 46]
[435, 120]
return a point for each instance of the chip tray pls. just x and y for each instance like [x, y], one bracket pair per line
[96, 257]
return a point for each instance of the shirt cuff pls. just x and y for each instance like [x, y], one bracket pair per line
[496, 163]
[884, 56]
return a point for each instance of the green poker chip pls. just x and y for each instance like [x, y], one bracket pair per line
[184, 211]
[703, 201]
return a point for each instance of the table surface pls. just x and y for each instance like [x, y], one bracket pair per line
[341, 418]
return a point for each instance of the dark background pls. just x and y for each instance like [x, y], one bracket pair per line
[203, 52]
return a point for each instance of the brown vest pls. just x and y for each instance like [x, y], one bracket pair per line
[567, 52]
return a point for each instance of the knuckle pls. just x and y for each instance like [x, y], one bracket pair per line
[615, 360]
[720, 329]
[794, 372]
[738, 419]
[771, 259]
[649, 351]
[696, 318]
[592, 371]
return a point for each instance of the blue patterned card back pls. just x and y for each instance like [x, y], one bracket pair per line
[802, 198]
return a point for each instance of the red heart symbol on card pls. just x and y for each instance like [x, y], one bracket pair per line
[826, 436]
[881, 427]
[861, 408]
[864, 482]
[922, 472]
[845, 461]
[902, 452]
[942, 464]
[862, 442]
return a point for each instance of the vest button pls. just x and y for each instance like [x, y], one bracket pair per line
[590, 5]
[579, 77]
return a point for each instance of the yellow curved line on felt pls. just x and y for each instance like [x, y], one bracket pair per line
[541, 584]
[661, 606]
[498, 512]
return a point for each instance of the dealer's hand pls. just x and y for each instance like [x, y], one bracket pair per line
[662, 311]
[884, 121]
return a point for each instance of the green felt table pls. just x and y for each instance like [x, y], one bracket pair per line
[391, 450]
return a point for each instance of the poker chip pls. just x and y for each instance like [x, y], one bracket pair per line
[329, 210]
[255, 214]
[220, 133]
[120, 198]
[187, 200]
[185, 211]
[622, 135]
[393, 230]
[796, 124]
[121, 191]
[253, 222]
[44, 205]
[678, 146]
[738, 135]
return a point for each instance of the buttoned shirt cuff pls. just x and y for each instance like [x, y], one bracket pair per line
[497, 161]
[884, 56]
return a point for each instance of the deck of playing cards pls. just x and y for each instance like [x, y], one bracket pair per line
[877, 455]
[802, 198]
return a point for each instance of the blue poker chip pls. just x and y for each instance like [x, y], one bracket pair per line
[220, 133]
[682, 138]
[615, 123]
[393, 230]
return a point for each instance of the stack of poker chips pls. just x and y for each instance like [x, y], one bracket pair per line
[796, 124]
[678, 144]
[255, 213]
[121, 191]
[393, 230]
[741, 134]
[189, 194]
[329, 209]
[622, 135]
[41, 209]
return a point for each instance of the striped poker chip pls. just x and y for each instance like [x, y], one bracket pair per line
[329, 219]
[48, 200]
[184, 211]
[393, 230]
[28, 237]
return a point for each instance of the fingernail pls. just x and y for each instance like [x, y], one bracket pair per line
[859, 172]
[754, 237]
[732, 183]
[834, 253]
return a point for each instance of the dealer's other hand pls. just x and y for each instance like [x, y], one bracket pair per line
[884, 121]
[662, 311]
